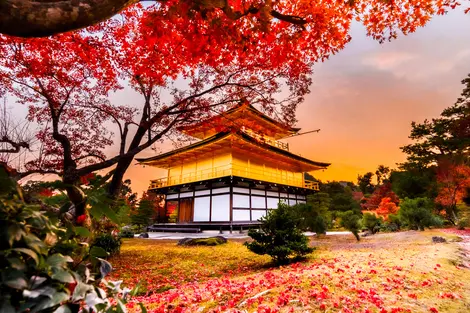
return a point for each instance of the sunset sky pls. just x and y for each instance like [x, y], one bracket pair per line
[364, 98]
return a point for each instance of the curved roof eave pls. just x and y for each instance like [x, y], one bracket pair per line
[244, 137]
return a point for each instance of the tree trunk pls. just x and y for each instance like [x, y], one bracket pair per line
[41, 18]
[356, 234]
[124, 162]
[75, 194]
[116, 182]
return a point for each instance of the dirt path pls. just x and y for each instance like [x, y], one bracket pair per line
[377, 241]
[464, 245]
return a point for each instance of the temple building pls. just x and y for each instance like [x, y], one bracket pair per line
[235, 173]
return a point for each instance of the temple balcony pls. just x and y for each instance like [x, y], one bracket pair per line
[264, 139]
[232, 170]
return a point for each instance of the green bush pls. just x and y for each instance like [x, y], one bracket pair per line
[126, 233]
[280, 236]
[44, 266]
[389, 227]
[352, 222]
[462, 223]
[371, 222]
[395, 219]
[111, 244]
[310, 218]
[418, 213]
[392, 224]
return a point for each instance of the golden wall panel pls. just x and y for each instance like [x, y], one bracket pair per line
[237, 164]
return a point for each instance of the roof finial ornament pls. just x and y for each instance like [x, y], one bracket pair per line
[244, 102]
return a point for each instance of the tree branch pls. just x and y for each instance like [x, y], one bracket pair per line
[110, 162]
[91, 155]
[38, 171]
[292, 19]
[16, 145]
[33, 18]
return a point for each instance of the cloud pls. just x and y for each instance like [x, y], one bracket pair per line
[389, 61]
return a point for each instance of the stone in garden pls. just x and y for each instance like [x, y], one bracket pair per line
[144, 235]
[438, 239]
[211, 241]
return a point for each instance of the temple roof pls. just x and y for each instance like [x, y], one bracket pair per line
[241, 115]
[234, 141]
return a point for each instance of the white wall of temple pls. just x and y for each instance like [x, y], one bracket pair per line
[213, 205]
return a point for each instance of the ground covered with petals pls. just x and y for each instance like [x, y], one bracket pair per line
[398, 272]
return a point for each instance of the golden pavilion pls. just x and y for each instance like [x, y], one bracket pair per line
[235, 173]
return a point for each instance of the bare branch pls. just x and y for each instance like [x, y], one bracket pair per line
[91, 155]
[40, 18]
[110, 162]
[16, 146]
[38, 171]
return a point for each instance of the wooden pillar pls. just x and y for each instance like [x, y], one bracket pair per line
[231, 201]
[210, 202]
[249, 195]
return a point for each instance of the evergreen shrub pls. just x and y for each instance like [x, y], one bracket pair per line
[109, 243]
[280, 236]
[352, 222]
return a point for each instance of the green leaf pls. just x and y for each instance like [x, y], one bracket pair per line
[109, 213]
[45, 291]
[65, 309]
[56, 299]
[82, 231]
[62, 275]
[105, 267]
[135, 290]
[17, 264]
[14, 233]
[101, 205]
[36, 281]
[92, 299]
[98, 252]
[58, 260]
[121, 308]
[35, 243]
[80, 291]
[15, 280]
[143, 309]
[29, 252]
[65, 208]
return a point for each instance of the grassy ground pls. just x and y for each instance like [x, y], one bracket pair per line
[399, 272]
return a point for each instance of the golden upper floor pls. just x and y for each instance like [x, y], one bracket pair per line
[233, 154]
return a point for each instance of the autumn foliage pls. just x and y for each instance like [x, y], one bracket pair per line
[386, 207]
[381, 192]
[453, 181]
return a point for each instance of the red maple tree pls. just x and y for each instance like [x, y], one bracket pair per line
[64, 80]
[381, 192]
[386, 207]
[453, 181]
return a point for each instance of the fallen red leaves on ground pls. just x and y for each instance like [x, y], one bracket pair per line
[352, 282]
